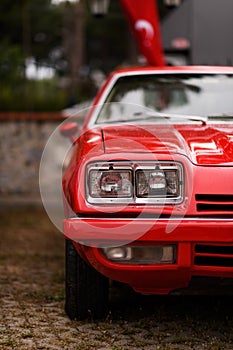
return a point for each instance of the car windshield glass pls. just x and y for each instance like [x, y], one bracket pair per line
[186, 94]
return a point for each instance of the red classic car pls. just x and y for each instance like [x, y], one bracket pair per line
[148, 192]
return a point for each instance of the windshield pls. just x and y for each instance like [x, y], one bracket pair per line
[185, 94]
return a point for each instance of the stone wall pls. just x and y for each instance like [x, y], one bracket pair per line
[21, 147]
[22, 141]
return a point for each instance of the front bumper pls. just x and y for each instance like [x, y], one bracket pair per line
[204, 248]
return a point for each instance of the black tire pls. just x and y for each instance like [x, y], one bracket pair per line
[86, 289]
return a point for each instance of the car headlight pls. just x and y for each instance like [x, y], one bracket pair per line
[145, 182]
[110, 183]
[157, 183]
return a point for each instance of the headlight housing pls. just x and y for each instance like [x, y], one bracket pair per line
[110, 183]
[144, 182]
[161, 182]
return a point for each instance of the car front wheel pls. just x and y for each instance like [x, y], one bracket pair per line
[86, 288]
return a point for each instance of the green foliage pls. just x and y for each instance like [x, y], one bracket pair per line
[36, 28]
[10, 62]
[32, 95]
[29, 28]
[46, 23]
[107, 37]
[34, 25]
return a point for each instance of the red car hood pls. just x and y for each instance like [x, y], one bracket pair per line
[203, 145]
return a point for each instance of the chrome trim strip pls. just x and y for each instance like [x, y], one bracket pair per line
[180, 219]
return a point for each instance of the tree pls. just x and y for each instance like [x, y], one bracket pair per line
[33, 25]
[107, 39]
[65, 37]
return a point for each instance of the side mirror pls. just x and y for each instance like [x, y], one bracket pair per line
[69, 130]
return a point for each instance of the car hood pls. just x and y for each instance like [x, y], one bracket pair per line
[202, 144]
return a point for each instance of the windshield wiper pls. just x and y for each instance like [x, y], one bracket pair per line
[222, 116]
[168, 116]
[145, 115]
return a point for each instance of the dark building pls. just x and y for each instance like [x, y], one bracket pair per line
[199, 32]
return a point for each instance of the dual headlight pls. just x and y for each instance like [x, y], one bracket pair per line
[146, 182]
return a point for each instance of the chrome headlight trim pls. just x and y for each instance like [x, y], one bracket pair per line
[120, 194]
[162, 167]
[133, 169]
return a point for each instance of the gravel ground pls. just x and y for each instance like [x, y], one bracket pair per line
[32, 301]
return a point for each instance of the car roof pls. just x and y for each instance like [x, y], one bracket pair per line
[174, 69]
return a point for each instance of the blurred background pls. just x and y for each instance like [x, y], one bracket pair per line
[50, 52]
[53, 55]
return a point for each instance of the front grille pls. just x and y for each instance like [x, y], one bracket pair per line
[214, 203]
[213, 255]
